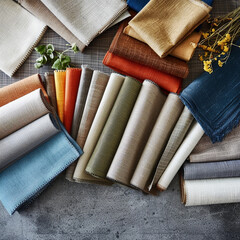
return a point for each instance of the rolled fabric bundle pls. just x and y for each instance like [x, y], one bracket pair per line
[85, 81]
[180, 156]
[158, 138]
[60, 79]
[96, 90]
[210, 191]
[21, 88]
[224, 169]
[110, 95]
[143, 117]
[71, 89]
[24, 140]
[213, 99]
[113, 130]
[142, 72]
[22, 111]
[175, 140]
[50, 87]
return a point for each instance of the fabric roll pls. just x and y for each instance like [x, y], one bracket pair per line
[24, 180]
[143, 117]
[211, 191]
[158, 138]
[71, 90]
[113, 130]
[224, 169]
[86, 19]
[228, 149]
[175, 140]
[60, 80]
[22, 111]
[136, 4]
[50, 87]
[21, 88]
[180, 156]
[85, 80]
[142, 72]
[136, 51]
[26, 139]
[110, 95]
[168, 34]
[96, 90]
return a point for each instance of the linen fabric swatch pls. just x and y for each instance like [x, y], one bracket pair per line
[17, 39]
[142, 72]
[110, 95]
[85, 81]
[21, 88]
[213, 98]
[71, 89]
[60, 81]
[211, 191]
[165, 34]
[28, 177]
[139, 52]
[158, 138]
[26, 139]
[143, 117]
[180, 156]
[137, 5]
[224, 169]
[113, 130]
[86, 19]
[22, 111]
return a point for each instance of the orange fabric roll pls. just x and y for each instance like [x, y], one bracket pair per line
[60, 79]
[71, 89]
[142, 72]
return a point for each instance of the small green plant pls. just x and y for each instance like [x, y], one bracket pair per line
[58, 60]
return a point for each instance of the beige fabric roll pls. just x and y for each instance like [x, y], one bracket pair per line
[143, 117]
[157, 140]
[111, 92]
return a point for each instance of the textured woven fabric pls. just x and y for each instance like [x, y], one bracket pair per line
[158, 138]
[142, 72]
[21, 88]
[20, 33]
[211, 191]
[136, 51]
[22, 111]
[86, 19]
[224, 169]
[221, 87]
[71, 90]
[26, 139]
[85, 81]
[180, 156]
[173, 21]
[137, 5]
[60, 80]
[143, 117]
[111, 135]
[28, 177]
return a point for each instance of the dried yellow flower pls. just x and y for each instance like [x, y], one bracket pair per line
[201, 58]
[225, 49]
[220, 63]
[213, 30]
[205, 35]
[207, 66]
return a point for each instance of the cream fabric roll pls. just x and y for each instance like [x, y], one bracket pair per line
[22, 111]
[143, 117]
[181, 155]
[26, 139]
[157, 140]
[211, 191]
[111, 92]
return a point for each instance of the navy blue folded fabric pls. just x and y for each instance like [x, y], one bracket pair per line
[214, 99]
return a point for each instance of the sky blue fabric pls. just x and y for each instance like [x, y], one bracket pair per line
[214, 99]
[28, 177]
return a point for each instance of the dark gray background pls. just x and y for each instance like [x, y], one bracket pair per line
[86, 211]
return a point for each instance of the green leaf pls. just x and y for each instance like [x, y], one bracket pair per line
[49, 51]
[75, 48]
[57, 65]
[50, 47]
[44, 59]
[66, 60]
[38, 65]
[40, 49]
[51, 56]
[39, 60]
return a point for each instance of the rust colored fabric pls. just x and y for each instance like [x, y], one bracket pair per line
[71, 89]
[21, 88]
[142, 72]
